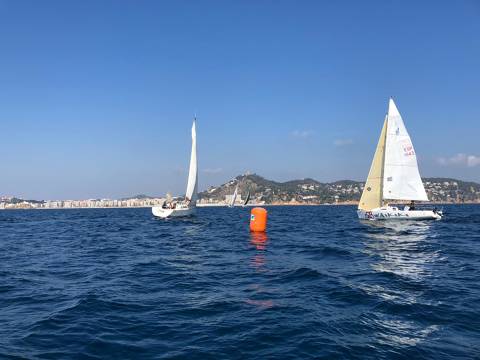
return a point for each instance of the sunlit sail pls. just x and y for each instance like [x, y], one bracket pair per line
[394, 175]
[188, 205]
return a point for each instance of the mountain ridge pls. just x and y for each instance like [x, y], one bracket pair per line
[308, 191]
[311, 191]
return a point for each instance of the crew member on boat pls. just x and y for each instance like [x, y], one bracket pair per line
[412, 205]
[169, 205]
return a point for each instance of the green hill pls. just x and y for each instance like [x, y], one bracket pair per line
[310, 191]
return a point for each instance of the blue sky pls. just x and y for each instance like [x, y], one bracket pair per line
[97, 97]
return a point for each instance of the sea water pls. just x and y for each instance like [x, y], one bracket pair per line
[121, 284]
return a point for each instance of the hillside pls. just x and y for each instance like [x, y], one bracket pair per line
[264, 191]
[310, 191]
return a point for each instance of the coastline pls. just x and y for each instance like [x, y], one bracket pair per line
[349, 203]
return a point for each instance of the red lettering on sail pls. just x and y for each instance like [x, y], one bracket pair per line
[408, 150]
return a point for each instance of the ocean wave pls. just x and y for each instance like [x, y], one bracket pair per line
[318, 284]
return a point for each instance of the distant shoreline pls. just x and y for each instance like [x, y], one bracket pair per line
[238, 206]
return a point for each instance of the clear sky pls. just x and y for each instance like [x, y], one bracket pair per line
[97, 97]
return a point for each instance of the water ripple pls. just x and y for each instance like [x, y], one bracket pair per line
[118, 283]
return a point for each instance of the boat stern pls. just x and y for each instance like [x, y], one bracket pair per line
[160, 212]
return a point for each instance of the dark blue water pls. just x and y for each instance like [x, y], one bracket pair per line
[119, 284]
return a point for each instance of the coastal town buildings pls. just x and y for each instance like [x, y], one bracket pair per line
[264, 191]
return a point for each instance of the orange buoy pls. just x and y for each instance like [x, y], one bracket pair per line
[258, 219]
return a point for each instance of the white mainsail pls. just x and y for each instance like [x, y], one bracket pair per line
[191, 193]
[234, 196]
[401, 178]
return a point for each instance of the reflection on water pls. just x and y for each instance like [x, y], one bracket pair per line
[403, 249]
[260, 241]
[406, 333]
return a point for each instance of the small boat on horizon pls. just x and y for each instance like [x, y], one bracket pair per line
[234, 197]
[187, 207]
[394, 176]
[246, 200]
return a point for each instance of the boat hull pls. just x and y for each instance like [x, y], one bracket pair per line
[160, 212]
[393, 213]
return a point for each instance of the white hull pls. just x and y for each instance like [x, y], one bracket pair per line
[394, 213]
[160, 212]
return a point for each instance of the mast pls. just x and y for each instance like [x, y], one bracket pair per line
[382, 178]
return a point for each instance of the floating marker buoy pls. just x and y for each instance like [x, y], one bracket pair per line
[258, 219]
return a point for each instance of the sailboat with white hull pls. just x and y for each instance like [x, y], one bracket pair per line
[188, 206]
[394, 176]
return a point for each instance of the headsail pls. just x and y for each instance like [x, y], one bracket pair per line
[372, 192]
[401, 178]
[191, 193]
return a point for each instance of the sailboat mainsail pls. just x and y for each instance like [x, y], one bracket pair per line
[401, 178]
[394, 171]
[234, 197]
[191, 194]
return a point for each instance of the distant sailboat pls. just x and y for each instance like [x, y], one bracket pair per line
[234, 197]
[188, 206]
[394, 175]
[247, 199]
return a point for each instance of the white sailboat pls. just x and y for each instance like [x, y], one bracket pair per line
[234, 197]
[394, 175]
[188, 206]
